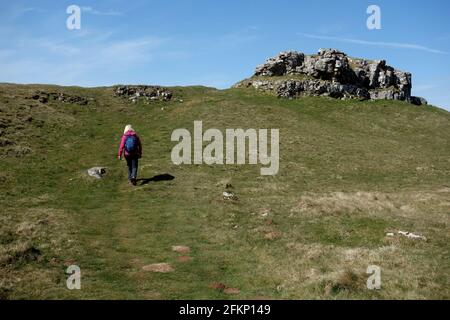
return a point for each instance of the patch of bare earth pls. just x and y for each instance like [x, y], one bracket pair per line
[231, 290]
[273, 235]
[223, 288]
[181, 249]
[184, 259]
[218, 286]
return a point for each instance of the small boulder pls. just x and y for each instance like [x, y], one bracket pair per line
[227, 195]
[96, 172]
[418, 101]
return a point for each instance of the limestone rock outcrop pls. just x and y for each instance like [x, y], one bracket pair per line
[332, 73]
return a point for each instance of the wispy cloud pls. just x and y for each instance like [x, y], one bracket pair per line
[93, 11]
[19, 12]
[79, 62]
[398, 45]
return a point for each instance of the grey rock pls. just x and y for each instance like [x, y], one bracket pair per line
[149, 93]
[284, 63]
[96, 172]
[419, 101]
[382, 94]
[45, 97]
[293, 88]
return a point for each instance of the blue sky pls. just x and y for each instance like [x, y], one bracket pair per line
[214, 43]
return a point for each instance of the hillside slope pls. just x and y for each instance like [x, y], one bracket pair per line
[350, 172]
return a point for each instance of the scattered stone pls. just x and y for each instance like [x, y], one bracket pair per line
[96, 172]
[45, 97]
[264, 212]
[229, 195]
[412, 235]
[331, 73]
[181, 249]
[149, 93]
[390, 234]
[158, 267]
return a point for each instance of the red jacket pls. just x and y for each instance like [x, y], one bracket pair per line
[122, 144]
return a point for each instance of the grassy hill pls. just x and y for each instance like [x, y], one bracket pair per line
[350, 172]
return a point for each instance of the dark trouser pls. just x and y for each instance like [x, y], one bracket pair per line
[132, 163]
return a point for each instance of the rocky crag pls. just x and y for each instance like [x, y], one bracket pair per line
[331, 73]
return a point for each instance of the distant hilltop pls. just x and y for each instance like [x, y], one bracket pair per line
[331, 73]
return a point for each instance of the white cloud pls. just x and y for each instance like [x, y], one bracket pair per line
[376, 43]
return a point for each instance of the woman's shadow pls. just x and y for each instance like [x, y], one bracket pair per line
[158, 177]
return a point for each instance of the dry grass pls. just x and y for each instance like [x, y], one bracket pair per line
[32, 245]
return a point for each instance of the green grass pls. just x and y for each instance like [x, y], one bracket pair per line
[292, 77]
[350, 172]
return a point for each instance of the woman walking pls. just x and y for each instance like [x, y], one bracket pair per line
[131, 147]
